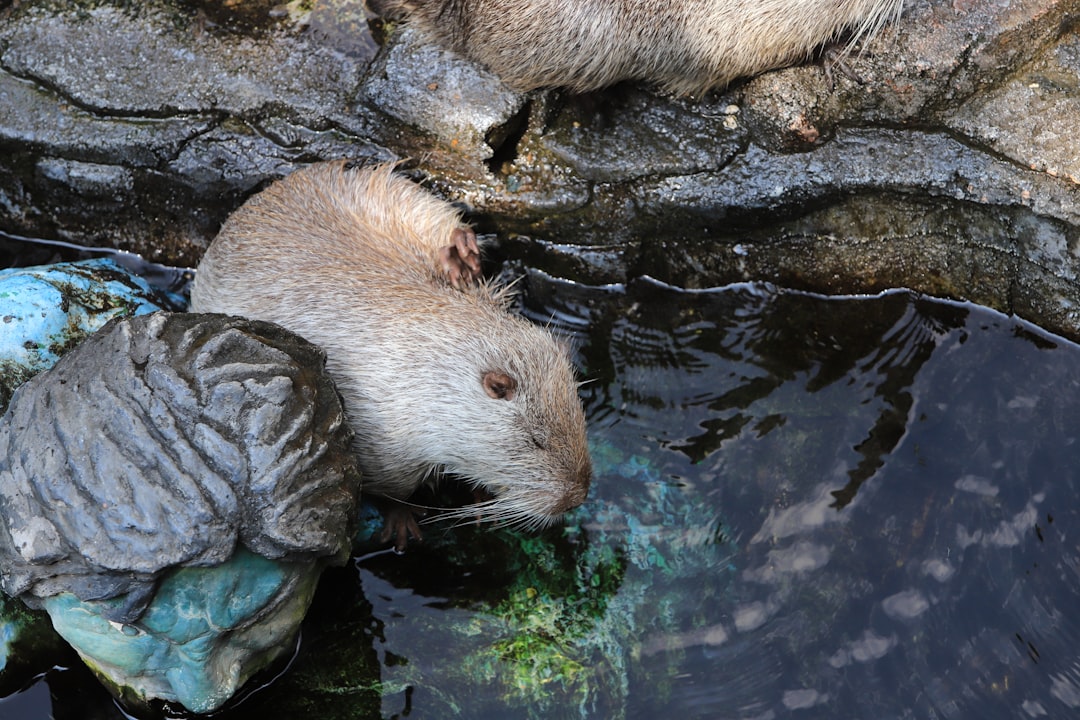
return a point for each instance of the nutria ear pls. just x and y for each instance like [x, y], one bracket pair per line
[499, 385]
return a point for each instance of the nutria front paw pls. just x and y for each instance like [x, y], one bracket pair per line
[461, 259]
[399, 524]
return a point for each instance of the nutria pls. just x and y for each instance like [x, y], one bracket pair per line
[436, 373]
[685, 46]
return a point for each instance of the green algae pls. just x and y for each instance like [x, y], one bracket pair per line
[552, 624]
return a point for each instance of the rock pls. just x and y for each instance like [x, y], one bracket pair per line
[170, 113]
[45, 311]
[174, 457]
[206, 631]
[431, 90]
[1031, 116]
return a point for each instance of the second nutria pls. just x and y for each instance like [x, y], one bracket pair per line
[435, 373]
[685, 46]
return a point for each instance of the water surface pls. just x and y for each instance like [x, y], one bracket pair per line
[804, 506]
[896, 477]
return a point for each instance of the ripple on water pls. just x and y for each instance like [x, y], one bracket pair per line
[900, 474]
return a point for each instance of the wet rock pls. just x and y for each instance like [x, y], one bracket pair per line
[180, 110]
[163, 61]
[1031, 117]
[204, 633]
[189, 479]
[142, 88]
[430, 90]
[45, 311]
[31, 115]
[938, 56]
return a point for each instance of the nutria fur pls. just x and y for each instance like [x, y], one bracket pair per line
[435, 373]
[685, 46]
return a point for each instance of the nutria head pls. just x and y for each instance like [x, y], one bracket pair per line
[525, 388]
[465, 388]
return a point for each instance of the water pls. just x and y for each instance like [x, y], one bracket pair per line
[806, 507]
[898, 476]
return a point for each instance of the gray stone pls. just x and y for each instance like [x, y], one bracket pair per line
[965, 108]
[165, 441]
[1032, 116]
[431, 90]
[32, 116]
[160, 62]
[157, 90]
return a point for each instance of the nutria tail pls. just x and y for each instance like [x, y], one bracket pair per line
[685, 46]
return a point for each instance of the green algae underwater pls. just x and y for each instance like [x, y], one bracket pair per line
[835, 507]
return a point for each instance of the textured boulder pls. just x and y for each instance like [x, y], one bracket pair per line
[164, 446]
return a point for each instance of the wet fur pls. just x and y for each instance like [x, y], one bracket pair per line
[684, 46]
[350, 259]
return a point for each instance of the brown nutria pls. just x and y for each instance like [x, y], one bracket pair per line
[435, 373]
[685, 46]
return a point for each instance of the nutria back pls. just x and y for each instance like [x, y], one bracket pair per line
[435, 376]
[685, 46]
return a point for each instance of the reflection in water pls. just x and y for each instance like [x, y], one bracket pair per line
[898, 475]
[744, 350]
[860, 507]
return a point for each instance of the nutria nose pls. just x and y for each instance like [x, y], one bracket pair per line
[576, 490]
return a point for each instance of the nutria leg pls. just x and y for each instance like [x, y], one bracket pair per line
[461, 259]
[399, 523]
[836, 58]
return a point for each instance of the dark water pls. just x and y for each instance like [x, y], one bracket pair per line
[899, 478]
[809, 507]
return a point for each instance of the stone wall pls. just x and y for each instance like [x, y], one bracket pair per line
[946, 160]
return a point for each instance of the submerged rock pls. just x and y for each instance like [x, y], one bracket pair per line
[188, 481]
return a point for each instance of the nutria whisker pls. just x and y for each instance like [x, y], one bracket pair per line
[497, 511]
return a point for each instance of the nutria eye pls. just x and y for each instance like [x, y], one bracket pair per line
[499, 386]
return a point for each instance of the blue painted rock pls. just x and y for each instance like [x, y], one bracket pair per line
[169, 492]
[45, 311]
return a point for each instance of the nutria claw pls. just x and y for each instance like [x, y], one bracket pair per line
[461, 260]
[399, 525]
